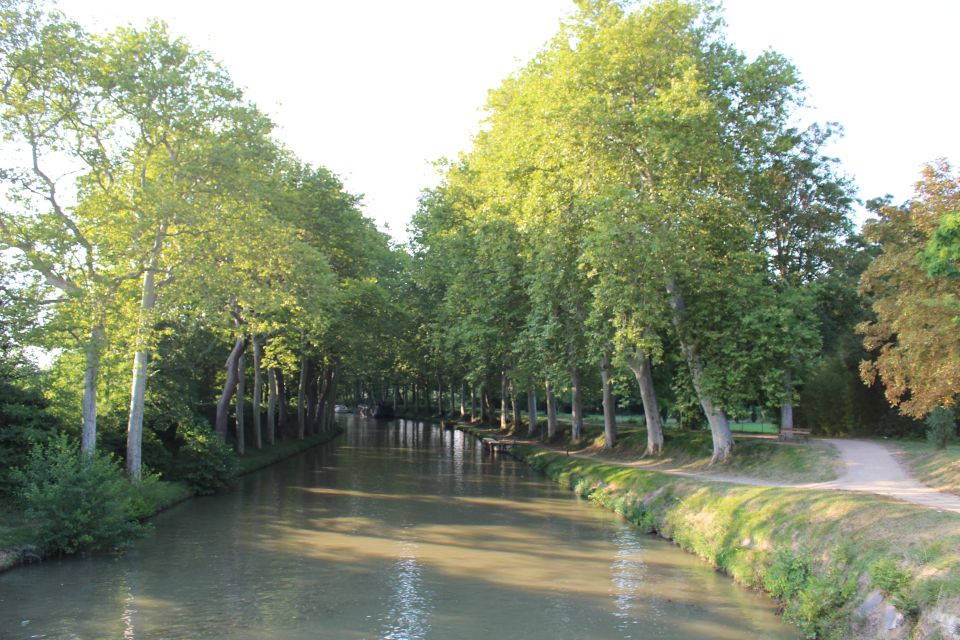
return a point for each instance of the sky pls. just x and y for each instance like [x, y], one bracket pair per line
[376, 91]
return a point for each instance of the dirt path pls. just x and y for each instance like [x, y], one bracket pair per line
[869, 467]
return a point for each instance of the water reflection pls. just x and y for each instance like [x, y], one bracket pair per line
[408, 605]
[401, 530]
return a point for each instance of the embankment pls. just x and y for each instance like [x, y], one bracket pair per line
[842, 564]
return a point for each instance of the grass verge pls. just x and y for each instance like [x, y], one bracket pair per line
[771, 460]
[938, 468]
[820, 553]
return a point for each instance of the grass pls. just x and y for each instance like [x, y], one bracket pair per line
[791, 463]
[255, 459]
[819, 552]
[938, 468]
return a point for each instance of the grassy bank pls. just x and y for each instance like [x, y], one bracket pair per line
[939, 468]
[835, 560]
[692, 450]
[18, 539]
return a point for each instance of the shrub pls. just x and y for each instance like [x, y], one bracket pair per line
[941, 427]
[786, 575]
[886, 576]
[204, 461]
[75, 502]
[152, 494]
[24, 422]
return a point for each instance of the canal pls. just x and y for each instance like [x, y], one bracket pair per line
[397, 530]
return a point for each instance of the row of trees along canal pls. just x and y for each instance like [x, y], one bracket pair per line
[640, 205]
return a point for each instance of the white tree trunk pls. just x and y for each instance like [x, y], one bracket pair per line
[717, 417]
[551, 411]
[609, 408]
[138, 386]
[640, 365]
[88, 442]
[302, 398]
[503, 401]
[786, 409]
[256, 393]
[532, 411]
[229, 386]
[271, 406]
[239, 400]
[576, 402]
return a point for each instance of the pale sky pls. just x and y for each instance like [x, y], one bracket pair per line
[377, 90]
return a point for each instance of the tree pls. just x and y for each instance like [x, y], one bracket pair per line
[914, 296]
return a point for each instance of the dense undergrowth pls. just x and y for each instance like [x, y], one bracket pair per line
[818, 552]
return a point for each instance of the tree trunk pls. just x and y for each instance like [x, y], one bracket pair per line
[719, 425]
[487, 408]
[313, 388]
[453, 401]
[271, 406]
[138, 386]
[257, 392]
[88, 443]
[640, 365]
[240, 445]
[576, 405]
[323, 386]
[463, 399]
[473, 404]
[281, 405]
[532, 410]
[503, 401]
[514, 410]
[332, 398]
[551, 412]
[609, 406]
[439, 397]
[786, 409]
[302, 398]
[229, 386]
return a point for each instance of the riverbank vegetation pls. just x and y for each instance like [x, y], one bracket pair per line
[150, 219]
[833, 559]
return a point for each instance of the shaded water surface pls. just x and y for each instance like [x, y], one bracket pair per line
[399, 530]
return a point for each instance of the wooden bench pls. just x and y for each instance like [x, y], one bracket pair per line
[794, 434]
[496, 446]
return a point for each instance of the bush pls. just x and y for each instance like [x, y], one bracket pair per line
[24, 422]
[152, 494]
[204, 461]
[941, 427]
[75, 502]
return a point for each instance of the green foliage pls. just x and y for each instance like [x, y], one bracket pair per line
[24, 422]
[76, 502]
[942, 253]
[941, 427]
[204, 461]
[820, 606]
[152, 494]
[888, 577]
[786, 575]
[828, 400]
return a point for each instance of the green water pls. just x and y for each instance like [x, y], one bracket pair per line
[398, 530]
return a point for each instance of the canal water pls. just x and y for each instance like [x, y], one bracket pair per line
[398, 530]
